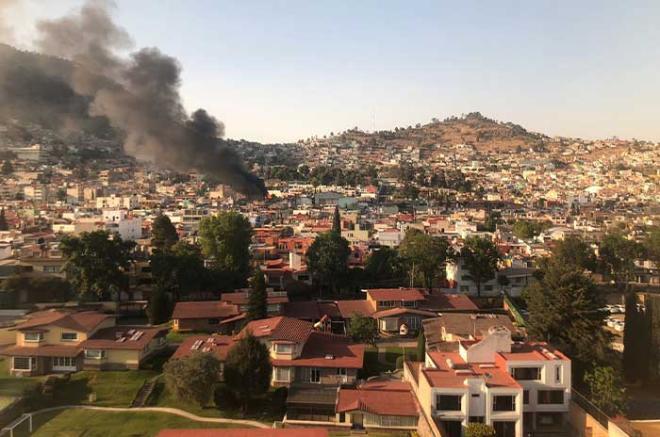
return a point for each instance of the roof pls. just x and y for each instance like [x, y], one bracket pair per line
[312, 394]
[442, 301]
[392, 312]
[452, 371]
[245, 432]
[310, 310]
[463, 325]
[386, 398]
[533, 351]
[280, 328]
[398, 294]
[204, 310]
[241, 298]
[327, 350]
[219, 345]
[349, 307]
[83, 321]
[123, 338]
[46, 350]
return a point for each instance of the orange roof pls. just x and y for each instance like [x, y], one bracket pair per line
[398, 294]
[349, 307]
[79, 321]
[323, 349]
[279, 328]
[384, 398]
[204, 310]
[454, 377]
[219, 345]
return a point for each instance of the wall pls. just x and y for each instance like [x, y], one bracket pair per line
[584, 424]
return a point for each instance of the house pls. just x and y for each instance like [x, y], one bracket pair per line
[61, 341]
[454, 327]
[517, 278]
[301, 355]
[205, 316]
[514, 386]
[274, 300]
[218, 345]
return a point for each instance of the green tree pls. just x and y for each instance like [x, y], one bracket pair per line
[480, 259]
[652, 245]
[327, 260]
[225, 239]
[336, 221]
[248, 369]
[636, 342]
[258, 298]
[421, 345]
[36, 289]
[564, 307]
[159, 309]
[4, 226]
[493, 219]
[385, 264]
[363, 329]
[479, 430]
[192, 379]
[96, 263]
[163, 233]
[7, 168]
[575, 252]
[525, 229]
[606, 390]
[424, 254]
[180, 270]
[617, 256]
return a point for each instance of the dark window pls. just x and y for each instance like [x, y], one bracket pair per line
[475, 395]
[476, 419]
[504, 403]
[504, 429]
[526, 373]
[452, 428]
[525, 397]
[214, 321]
[448, 403]
[551, 396]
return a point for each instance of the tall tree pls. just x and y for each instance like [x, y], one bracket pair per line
[574, 251]
[247, 369]
[480, 258]
[4, 226]
[564, 307]
[192, 379]
[225, 239]
[424, 255]
[7, 168]
[652, 245]
[159, 309]
[336, 221]
[617, 256]
[636, 342]
[96, 263]
[363, 329]
[180, 270]
[327, 259]
[163, 233]
[258, 298]
[385, 264]
[421, 345]
[606, 390]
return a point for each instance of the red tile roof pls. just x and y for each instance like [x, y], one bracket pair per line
[454, 377]
[398, 294]
[83, 321]
[219, 345]
[327, 350]
[382, 398]
[204, 310]
[443, 301]
[280, 328]
[349, 307]
[242, 299]
[399, 311]
[251, 432]
[109, 338]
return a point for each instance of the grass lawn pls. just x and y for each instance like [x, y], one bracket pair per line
[78, 423]
[178, 337]
[11, 386]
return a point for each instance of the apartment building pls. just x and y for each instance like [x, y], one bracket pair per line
[515, 387]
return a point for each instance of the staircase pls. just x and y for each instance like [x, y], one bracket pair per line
[144, 393]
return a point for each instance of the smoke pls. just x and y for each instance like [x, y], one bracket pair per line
[139, 94]
[6, 33]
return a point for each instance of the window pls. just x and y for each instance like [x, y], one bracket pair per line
[315, 375]
[476, 419]
[69, 336]
[341, 371]
[525, 397]
[558, 374]
[475, 395]
[550, 397]
[504, 403]
[214, 321]
[23, 363]
[64, 362]
[34, 336]
[282, 348]
[526, 373]
[448, 403]
[94, 354]
[282, 374]
[52, 269]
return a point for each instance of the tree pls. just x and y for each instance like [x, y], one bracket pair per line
[4, 226]
[652, 245]
[575, 252]
[226, 238]
[363, 329]
[193, 378]
[424, 254]
[384, 264]
[421, 345]
[248, 369]
[180, 270]
[159, 309]
[336, 221]
[564, 307]
[474, 429]
[493, 219]
[7, 168]
[636, 342]
[525, 229]
[163, 233]
[606, 390]
[327, 259]
[480, 258]
[96, 263]
[258, 298]
[618, 255]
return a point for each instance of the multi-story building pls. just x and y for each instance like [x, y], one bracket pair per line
[511, 386]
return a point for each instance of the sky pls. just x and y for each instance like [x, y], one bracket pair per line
[276, 71]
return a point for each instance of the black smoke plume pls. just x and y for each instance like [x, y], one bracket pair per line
[139, 95]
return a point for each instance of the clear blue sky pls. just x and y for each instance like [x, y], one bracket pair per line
[284, 70]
